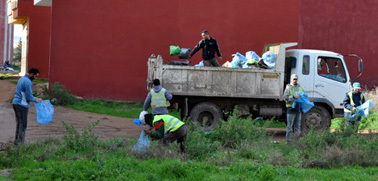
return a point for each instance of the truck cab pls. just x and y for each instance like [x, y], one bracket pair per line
[324, 77]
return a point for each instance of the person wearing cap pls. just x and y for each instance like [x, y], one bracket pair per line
[294, 115]
[158, 98]
[168, 129]
[352, 100]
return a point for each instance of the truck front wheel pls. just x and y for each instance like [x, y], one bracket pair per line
[317, 118]
[206, 115]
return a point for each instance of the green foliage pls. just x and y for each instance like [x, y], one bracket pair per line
[82, 156]
[232, 132]
[114, 108]
[17, 52]
[60, 95]
[81, 142]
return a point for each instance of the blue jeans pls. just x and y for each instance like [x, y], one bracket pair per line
[293, 120]
[348, 119]
[22, 123]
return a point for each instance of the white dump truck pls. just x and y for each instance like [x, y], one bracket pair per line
[207, 94]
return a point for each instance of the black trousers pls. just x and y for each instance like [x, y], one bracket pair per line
[22, 123]
[179, 135]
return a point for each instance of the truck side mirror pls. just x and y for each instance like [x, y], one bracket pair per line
[360, 66]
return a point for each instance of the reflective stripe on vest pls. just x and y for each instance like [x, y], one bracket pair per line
[350, 94]
[170, 123]
[158, 99]
[292, 92]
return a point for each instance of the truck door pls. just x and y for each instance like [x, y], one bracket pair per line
[330, 80]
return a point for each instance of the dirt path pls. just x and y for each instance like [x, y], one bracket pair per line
[109, 126]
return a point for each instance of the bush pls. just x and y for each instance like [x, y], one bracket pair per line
[85, 141]
[60, 95]
[232, 132]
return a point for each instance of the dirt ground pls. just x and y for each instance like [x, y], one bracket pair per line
[109, 126]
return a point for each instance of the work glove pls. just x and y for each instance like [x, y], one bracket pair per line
[297, 96]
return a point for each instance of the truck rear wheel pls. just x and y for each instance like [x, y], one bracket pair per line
[317, 118]
[206, 115]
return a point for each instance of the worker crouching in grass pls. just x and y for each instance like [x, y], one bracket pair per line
[168, 129]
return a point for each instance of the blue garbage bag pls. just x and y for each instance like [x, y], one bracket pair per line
[303, 102]
[238, 61]
[270, 59]
[362, 110]
[199, 64]
[45, 111]
[143, 144]
[251, 55]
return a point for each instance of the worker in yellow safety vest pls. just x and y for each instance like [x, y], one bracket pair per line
[352, 100]
[168, 129]
[158, 98]
[294, 115]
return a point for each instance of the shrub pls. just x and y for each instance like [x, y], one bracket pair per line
[232, 132]
[85, 141]
[60, 95]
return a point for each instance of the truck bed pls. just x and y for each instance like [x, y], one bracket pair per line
[220, 81]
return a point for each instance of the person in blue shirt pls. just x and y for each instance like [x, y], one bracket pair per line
[352, 100]
[21, 103]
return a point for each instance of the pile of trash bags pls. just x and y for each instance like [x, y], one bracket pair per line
[251, 59]
[182, 52]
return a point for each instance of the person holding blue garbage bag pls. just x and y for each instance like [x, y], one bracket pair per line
[168, 129]
[294, 115]
[352, 100]
[21, 103]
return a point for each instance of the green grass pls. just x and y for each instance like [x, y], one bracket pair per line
[120, 109]
[240, 151]
[369, 122]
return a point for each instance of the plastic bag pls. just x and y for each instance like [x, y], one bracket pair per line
[199, 64]
[251, 55]
[174, 50]
[184, 53]
[45, 111]
[362, 110]
[303, 102]
[143, 144]
[238, 61]
[270, 59]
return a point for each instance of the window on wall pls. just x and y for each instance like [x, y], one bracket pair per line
[331, 68]
[306, 65]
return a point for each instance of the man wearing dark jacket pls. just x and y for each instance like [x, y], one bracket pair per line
[168, 129]
[209, 47]
[159, 98]
[352, 100]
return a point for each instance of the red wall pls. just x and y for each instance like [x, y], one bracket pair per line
[39, 35]
[2, 29]
[343, 26]
[99, 49]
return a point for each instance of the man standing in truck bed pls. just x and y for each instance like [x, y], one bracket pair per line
[209, 47]
[294, 115]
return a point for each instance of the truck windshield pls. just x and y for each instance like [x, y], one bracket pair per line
[331, 68]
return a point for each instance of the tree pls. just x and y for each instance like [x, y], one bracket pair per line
[17, 52]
